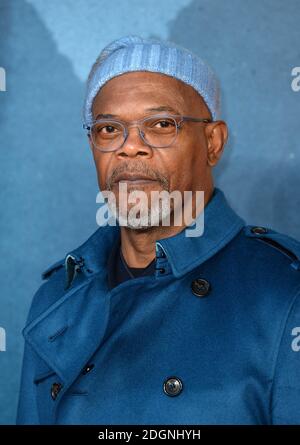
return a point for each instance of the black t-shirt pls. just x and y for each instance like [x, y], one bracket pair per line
[118, 269]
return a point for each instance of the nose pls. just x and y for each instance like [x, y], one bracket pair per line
[134, 145]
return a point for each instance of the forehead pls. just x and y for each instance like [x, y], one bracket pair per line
[141, 87]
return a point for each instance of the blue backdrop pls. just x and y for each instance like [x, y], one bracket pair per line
[48, 182]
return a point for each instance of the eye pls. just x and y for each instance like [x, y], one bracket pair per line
[106, 129]
[164, 123]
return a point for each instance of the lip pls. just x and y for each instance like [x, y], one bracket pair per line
[136, 181]
[134, 178]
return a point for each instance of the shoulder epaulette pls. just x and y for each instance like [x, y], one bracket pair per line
[54, 267]
[284, 243]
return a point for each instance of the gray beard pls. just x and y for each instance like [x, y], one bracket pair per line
[148, 218]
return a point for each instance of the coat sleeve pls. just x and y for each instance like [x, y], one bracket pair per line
[27, 413]
[286, 384]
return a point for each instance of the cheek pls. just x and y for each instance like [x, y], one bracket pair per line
[101, 165]
[190, 164]
[179, 171]
[198, 154]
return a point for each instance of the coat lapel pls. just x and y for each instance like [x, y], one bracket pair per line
[67, 334]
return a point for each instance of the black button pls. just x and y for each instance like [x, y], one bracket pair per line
[200, 287]
[55, 389]
[259, 230]
[88, 368]
[172, 386]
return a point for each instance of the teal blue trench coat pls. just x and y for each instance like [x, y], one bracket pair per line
[212, 337]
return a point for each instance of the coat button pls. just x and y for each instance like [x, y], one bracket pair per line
[259, 230]
[55, 389]
[200, 287]
[88, 368]
[172, 386]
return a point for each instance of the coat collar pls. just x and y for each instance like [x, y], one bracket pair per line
[184, 253]
[68, 332]
[221, 225]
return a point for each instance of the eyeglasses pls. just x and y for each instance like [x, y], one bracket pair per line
[159, 131]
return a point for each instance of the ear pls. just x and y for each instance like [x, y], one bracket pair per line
[216, 136]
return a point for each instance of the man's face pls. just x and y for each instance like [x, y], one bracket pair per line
[183, 166]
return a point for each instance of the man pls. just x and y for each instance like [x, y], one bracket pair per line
[143, 324]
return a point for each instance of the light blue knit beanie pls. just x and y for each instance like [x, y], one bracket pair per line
[134, 53]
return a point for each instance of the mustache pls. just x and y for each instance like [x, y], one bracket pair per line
[139, 168]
